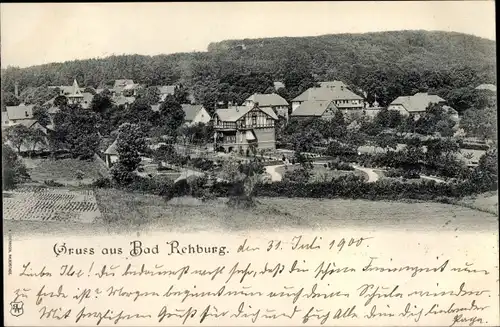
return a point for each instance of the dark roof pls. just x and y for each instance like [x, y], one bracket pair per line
[265, 100]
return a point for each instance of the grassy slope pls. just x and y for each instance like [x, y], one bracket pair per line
[137, 213]
[62, 170]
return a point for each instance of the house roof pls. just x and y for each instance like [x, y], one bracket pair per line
[313, 108]
[235, 113]
[265, 100]
[490, 87]
[191, 111]
[20, 112]
[418, 102]
[67, 89]
[327, 93]
[121, 83]
[112, 148]
[166, 89]
[27, 122]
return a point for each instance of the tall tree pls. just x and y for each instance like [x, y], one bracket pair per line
[76, 131]
[172, 115]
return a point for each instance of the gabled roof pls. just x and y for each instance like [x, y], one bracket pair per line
[418, 102]
[326, 93]
[166, 89]
[314, 108]
[234, 113]
[265, 100]
[112, 148]
[490, 87]
[20, 112]
[191, 111]
[27, 122]
[75, 91]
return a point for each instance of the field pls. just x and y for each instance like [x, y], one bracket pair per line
[321, 173]
[50, 204]
[64, 170]
[123, 212]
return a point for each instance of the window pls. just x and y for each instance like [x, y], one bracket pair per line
[269, 121]
[254, 120]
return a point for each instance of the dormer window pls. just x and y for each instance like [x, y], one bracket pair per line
[26, 113]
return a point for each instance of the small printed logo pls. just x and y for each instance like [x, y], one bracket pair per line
[16, 308]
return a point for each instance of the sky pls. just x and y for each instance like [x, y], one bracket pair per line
[38, 33]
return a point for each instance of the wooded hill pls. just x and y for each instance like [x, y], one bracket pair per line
[387, 64]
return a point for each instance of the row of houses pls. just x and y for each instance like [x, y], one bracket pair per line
[253, 122]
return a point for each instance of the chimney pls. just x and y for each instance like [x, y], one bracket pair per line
[256, 104]
[16, 89]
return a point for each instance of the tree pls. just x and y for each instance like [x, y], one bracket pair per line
[35, 137]
[9, 99]
[172, 115]
[480, 123]
[17, 135]
[14, 170]
[100, 103]
[244, 177]
[151, 95]
[75, 130]
[41, 114]
[60, 100]
[131, 143]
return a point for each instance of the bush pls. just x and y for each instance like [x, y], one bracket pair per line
[202, 164]
[339, 165]
[300, 175]
[121, 175]
[102, 182]
[407, 174]
[53, 183]
[79, 174]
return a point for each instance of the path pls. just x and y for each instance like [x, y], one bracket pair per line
[432, 178]
[372, 176]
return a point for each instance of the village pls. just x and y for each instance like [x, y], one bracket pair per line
[332, 140]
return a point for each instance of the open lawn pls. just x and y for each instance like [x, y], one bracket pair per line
[321, 173]
[124, 212]
[64, 170]
[487, 202]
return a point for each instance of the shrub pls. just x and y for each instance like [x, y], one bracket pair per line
[79, 174]
[300, 175]
[121, 174]
[407, 174]
[102, 182]
[52, 183]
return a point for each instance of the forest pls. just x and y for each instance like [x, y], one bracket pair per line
[383, 64]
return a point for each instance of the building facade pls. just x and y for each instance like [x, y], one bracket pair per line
[239, 128]
[336, 91]
[416, 104]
